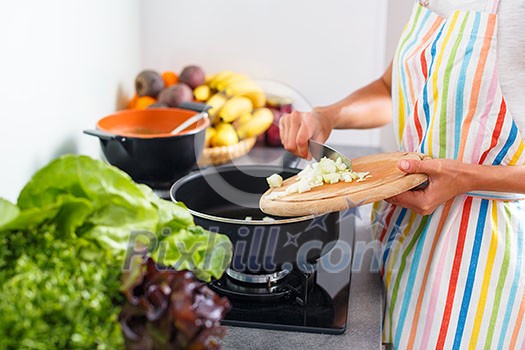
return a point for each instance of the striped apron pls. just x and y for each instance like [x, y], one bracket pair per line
[455, 278]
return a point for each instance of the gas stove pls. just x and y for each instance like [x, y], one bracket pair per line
[311, 298]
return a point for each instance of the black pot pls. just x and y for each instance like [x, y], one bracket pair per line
[222, 198]
[139, 142]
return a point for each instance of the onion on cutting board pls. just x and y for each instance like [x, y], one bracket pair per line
[327, 171]
[328, 186]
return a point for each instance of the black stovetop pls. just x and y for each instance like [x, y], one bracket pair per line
[307, 302]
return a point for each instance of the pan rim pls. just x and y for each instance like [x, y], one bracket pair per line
[202, 124]
[229, 167]
[290, 220]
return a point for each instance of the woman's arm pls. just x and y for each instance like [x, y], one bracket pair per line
[449, 178]
[368, 107]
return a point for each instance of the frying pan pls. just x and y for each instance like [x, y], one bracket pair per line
[226, 199]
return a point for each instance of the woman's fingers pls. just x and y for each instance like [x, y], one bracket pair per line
[301, 140]
[414, 166]
[284, 131]
[295, 132]
[292, 125]
[417, 201]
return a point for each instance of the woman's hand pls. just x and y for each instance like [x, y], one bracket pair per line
[368, 107]
[446, 179]
[297, 128]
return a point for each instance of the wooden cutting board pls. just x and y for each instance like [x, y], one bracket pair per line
[386, 181]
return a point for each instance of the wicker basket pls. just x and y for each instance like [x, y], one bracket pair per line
[224, 154]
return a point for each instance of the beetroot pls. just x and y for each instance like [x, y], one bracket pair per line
[148, 83]
[193, 76]
[174, 95]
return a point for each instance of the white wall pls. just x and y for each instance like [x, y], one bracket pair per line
[64, 65]
[323, 49]
[398, 15]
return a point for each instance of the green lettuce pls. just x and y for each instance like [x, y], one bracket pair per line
[50, 298]
[205, 253]
[9, 212]
[75, 225]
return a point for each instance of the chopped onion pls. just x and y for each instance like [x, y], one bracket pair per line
[276, 194]
[304, 186]
[340, 165]
[346, 177]
[332, 178]
[317, 174]
[266, 219]
[327, 166]
[293, 188]
[275, 181]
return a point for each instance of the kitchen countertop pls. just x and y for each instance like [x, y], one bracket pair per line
[366, 292]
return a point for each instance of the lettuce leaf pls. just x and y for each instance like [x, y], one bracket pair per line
[66, 243]
[101, 196]
[52, 298]
[84, 197]
[205, 253]
[167, 309]
[9, 212]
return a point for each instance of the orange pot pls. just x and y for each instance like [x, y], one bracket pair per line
[139, 142]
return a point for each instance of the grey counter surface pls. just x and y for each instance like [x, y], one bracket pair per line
[366, 293]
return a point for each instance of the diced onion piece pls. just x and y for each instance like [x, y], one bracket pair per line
[361, 175]
[308, 170]
[268, 219]
[346, 177]
[327, 166]
[303, 186]
[340, 165]
[293, 188]
[248, 218]
[331, 178]
[317, 182]
[317, 174]
[361, 179]
[277, 194]
[275, 180]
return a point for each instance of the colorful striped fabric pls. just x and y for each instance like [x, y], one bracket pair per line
[456, 278]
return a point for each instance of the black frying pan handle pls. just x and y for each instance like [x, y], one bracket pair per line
[106, 136]
[194, 106]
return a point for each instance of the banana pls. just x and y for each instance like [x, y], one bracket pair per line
[260, 121]
[210, 134]
[243, 119]
[241, 87]
[216, 102]
[202, 93]
[247, 88]
[218, 78]
[229, 80]
[208, 78]
[258, 98]
[234, 108]
[225, 135]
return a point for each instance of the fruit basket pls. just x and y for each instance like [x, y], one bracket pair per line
[236, 105]
[225, 154]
